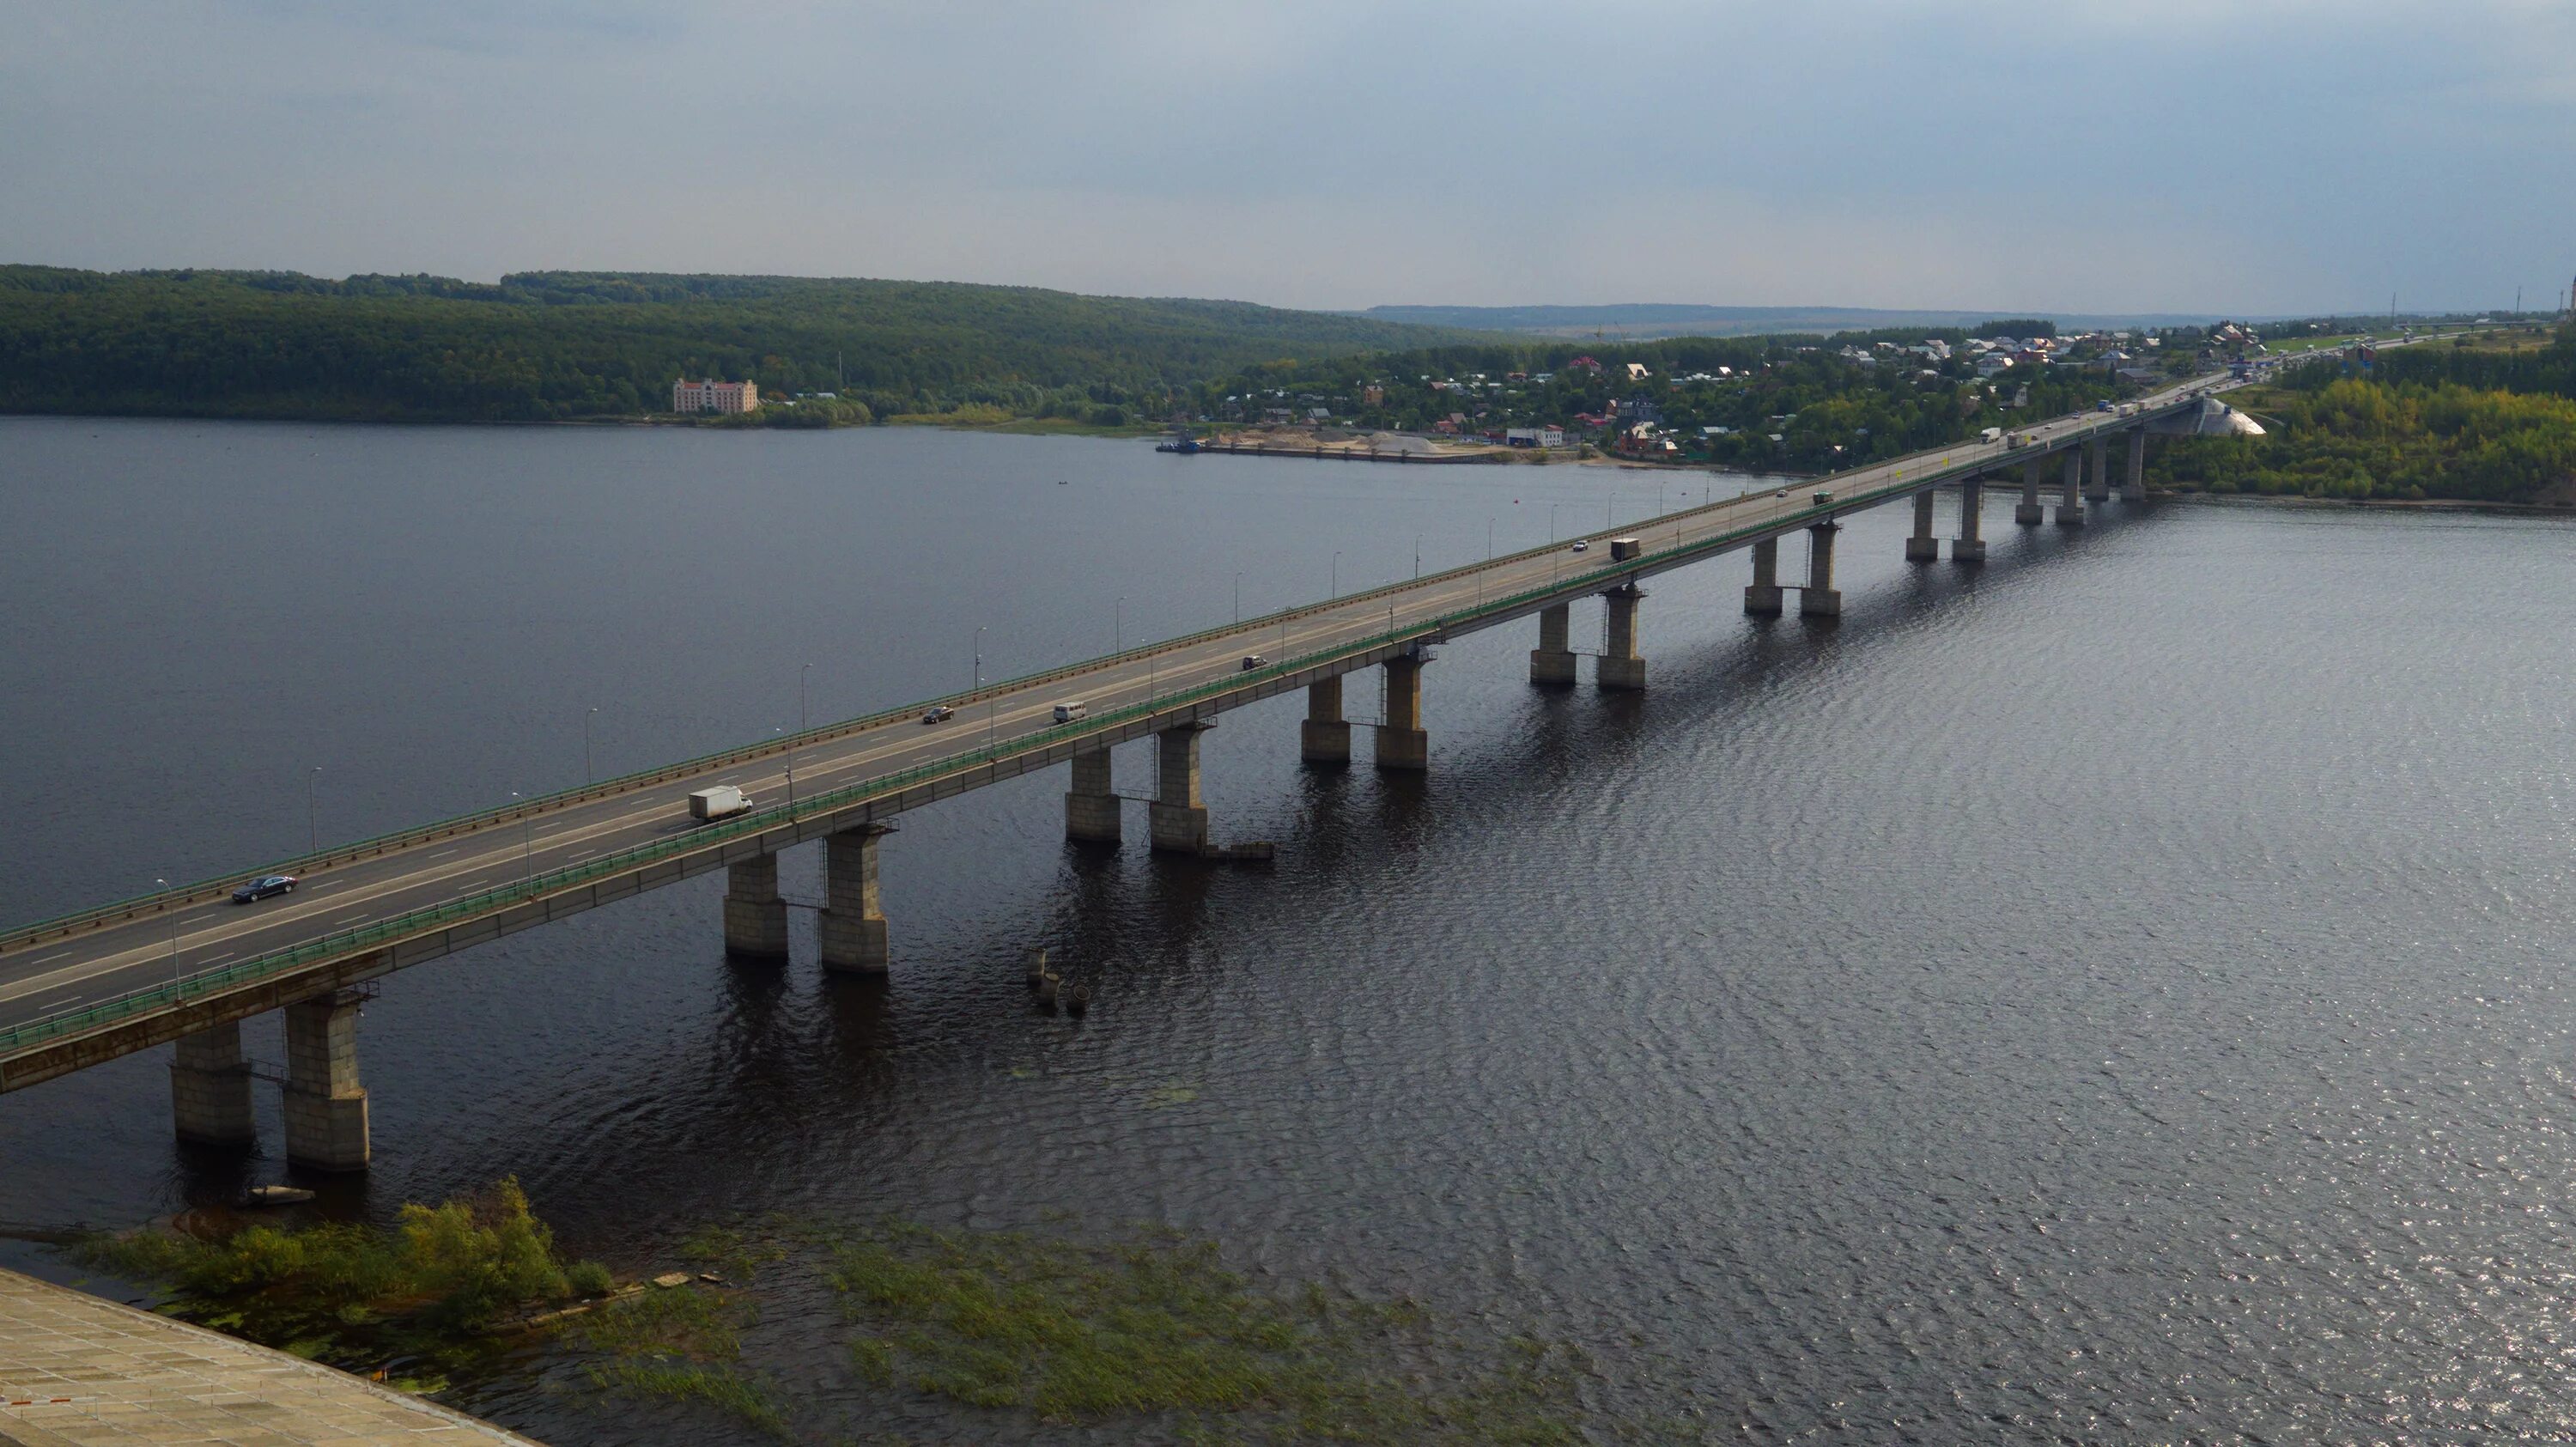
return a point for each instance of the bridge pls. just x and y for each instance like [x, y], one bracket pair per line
[187, 965]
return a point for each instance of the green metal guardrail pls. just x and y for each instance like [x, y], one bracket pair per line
[521, 891]
[217, 885]
[415, 921]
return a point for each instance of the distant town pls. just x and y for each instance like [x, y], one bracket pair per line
[1796, 403]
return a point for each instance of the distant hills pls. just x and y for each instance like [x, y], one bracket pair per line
[1646, 321]
[557, 345]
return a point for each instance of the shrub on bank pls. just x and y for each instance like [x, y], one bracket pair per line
[444, 1275]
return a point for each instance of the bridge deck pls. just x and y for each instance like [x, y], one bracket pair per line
[129, 975]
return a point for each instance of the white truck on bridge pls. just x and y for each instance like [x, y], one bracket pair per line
[721, 802]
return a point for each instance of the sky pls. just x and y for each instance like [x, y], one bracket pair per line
[2288, 156]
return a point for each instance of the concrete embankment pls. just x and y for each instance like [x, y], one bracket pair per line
[78, 1370]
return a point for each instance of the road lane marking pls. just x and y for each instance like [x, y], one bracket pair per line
[639, 816]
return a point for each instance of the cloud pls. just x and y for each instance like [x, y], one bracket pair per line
[2183, 155]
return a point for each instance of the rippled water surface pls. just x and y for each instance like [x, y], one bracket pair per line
[2115, 996]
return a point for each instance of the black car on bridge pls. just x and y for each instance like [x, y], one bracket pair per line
[263, 887]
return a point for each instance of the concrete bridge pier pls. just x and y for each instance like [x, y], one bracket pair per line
[2028, 514]
[1923, 547]
[852, 926]
[1180, 818]
[210, 1088]
[1621, 669]
[1552, 662]
[1762, 595]
[2097, 475]
[2133, 487]
[1401, 740]
[1324, 737]
[2070, 498]
[326, 1107]
[755, 918]
[1970, 545]
[1091, 805]
[1819, 599]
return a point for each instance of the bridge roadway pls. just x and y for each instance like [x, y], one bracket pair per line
[135, 974]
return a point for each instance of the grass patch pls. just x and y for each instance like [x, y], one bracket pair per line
[1158, 1328]
[679, 1345]
[437, 1285]
[727, 1252]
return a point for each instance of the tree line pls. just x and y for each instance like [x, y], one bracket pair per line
[545, 346]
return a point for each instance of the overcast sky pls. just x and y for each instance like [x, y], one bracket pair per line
[2284, 156]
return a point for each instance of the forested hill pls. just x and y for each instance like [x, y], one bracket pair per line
[554, 345]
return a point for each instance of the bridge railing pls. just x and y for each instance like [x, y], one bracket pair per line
[215, 887]
[484, 902]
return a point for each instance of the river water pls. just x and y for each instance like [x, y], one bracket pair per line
[2117, 995]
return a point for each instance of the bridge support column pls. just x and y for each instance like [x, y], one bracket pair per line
[2070, 497]
[1621, 669]
[1091, 805]
[2133, 488]
[1324, 737]
[1819, 599]
[852, 927]
[2097, 473]
[755, 918]
[1762, 595]
[326, 1108]
[2028, 514]
[1401, 741]
[1180, 819]
[210, 1088]
[1923, 547]
[1970, 545]
[1552, 662]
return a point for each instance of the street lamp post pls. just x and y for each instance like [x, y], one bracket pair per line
[1118, 627]
[791, 789]
[527, 843]
[313, 809]
[1238, 597]
[1337, 575]
[588, 774]
[1417, 557]
[1489, 540]
[979, 657]
[174, 936]
[802, 722]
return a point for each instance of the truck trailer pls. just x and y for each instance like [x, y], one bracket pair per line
[721, 802]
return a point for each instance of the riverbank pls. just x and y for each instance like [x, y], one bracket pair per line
[2387, 504]
[76, 1369]
[1144, 1333]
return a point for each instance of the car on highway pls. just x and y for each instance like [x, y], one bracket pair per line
[1252, 661]
[1784, 492]
[939, 713]
[1071, 711]
[263, 887]
[1581, 546]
